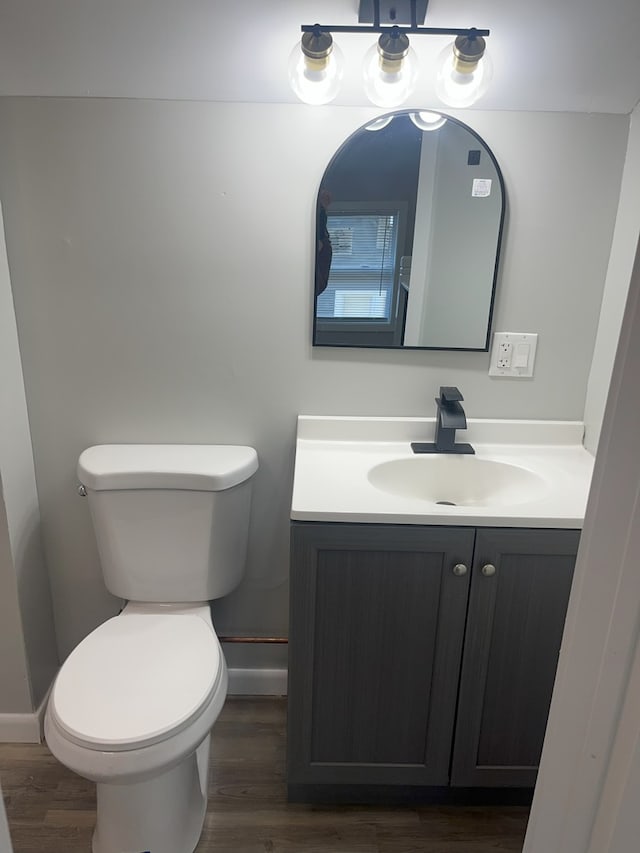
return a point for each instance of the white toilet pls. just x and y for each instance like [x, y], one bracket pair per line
[133, 705]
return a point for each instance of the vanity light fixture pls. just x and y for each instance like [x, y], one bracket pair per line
[316, 66]
[390, 70]
[464, 71]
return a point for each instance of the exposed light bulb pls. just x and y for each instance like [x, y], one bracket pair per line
[315, 68]
[390, 70]
[427, 121]
[464, 72]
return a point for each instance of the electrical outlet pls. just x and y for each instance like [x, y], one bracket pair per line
[504, 354]
[513, 354]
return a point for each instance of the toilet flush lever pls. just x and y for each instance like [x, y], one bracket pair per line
[82, 490]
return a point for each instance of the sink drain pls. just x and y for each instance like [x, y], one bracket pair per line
[446, 503]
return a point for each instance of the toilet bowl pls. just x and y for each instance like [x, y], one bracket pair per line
[133, 705]
[132, 710]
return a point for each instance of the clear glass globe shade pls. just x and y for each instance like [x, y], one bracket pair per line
[461, 90]
[389, 89]
[315, 85]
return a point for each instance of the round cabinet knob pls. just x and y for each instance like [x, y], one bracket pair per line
[488, 569]
[82, 490]
[460, 569]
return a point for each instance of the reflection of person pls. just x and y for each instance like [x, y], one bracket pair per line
[324, 251]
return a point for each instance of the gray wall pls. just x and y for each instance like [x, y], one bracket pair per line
[15, 694]
[5, 839]
[159, 300]
[28, 658]
[625, 238]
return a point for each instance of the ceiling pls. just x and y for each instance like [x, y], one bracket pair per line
[566, 55]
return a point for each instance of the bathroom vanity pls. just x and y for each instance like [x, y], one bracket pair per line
[424, 637]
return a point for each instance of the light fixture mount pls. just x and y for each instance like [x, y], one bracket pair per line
[413, 28]
[392, 11]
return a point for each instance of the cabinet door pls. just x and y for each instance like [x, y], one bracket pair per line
[375, 642]
[514, 629]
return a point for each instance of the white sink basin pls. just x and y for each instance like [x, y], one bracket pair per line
[362, 470]
[458, 481]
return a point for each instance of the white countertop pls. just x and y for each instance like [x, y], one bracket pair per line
[334, 456]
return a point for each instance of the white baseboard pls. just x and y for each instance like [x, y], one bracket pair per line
[257, 682]
[24, 728]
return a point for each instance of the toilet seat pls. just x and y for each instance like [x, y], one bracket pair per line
[136, 681]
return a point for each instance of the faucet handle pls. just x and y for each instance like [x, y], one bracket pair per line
[450, 394]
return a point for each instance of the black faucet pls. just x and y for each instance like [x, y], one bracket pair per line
[450, 417]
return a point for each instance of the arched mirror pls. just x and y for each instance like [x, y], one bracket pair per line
[408, 231]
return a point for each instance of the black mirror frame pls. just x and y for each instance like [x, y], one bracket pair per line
[503, 197]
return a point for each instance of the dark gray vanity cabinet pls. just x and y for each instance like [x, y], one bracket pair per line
[411, 666]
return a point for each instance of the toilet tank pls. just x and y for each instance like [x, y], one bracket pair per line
[171, 521]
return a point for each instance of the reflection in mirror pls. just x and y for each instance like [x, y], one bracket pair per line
[408, 229]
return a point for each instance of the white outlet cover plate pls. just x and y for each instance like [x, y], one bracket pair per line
[514, 338]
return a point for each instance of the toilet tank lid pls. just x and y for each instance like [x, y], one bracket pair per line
[198, 467]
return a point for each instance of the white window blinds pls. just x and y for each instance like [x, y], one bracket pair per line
[362, 272]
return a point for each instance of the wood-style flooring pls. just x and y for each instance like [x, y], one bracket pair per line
[51, 810]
